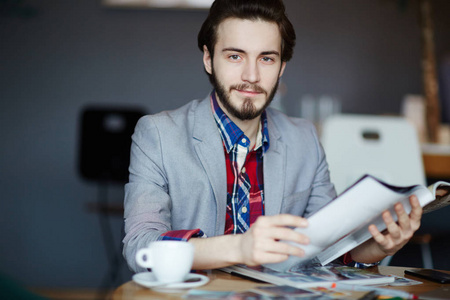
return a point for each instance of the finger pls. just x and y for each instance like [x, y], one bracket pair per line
[416, 209]
[291, 250]
[267, 258]
[286, 220]
[286, 234]
[378, 236]
[272, 251]
[402, 217]
[283, 248]
[391, 226]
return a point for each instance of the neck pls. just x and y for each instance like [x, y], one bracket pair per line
[249, 127]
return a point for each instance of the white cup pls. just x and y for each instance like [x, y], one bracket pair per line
[170, 261]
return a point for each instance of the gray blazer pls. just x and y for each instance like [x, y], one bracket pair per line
[178, 175]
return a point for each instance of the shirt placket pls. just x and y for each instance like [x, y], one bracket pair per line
[240, 199]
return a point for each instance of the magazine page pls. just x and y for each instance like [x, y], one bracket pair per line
[346, 218]
[441, 191]
[344, 245]
[301, 276]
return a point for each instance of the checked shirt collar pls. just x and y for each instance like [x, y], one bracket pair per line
[232, 135]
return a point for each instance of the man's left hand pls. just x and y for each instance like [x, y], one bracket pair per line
[397, 234]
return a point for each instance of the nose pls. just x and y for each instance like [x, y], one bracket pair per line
[251, 72]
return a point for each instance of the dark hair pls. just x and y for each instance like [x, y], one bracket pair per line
[266, 10]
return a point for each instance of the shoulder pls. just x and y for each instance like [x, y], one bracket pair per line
[168, 119]
[298, 135]
[291, 127]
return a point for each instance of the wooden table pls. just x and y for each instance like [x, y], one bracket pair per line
[220, 281]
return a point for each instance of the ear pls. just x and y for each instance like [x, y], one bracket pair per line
[283, 66]
[207, 60]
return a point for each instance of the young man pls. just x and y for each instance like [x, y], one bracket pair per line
[229, 174]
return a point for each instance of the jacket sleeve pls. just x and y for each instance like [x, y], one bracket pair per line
[147, 202]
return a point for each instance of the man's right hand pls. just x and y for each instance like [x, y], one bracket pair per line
[262, 244]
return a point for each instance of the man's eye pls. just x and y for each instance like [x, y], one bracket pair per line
[267, 59]
[234, 57]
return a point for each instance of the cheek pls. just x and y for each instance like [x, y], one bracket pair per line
[270, 80]
[228, 76]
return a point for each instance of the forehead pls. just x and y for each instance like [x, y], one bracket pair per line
[248, 35]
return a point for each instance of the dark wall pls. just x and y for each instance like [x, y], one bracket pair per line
[74, 53]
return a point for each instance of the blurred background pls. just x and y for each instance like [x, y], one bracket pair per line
[61, 58]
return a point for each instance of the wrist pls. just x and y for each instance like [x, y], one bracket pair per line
[237, 249]
[368, 253]
[217, 252]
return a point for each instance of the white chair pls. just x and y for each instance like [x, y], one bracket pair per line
[386, 147]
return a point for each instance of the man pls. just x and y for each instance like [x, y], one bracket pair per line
[228, 174]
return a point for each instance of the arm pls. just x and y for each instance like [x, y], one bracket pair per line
[259, 245]
[147, 203]
[396, 235]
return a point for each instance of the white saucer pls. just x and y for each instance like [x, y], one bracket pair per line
[148, 279]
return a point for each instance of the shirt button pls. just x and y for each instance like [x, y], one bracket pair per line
[244, 141]
[244, 209]
[243, 170]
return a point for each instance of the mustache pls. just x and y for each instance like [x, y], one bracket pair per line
[247, 86]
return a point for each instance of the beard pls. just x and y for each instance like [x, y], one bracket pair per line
[248, 110]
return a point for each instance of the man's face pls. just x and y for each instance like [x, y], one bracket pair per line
[246, 66]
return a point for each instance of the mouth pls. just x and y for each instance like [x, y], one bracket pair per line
[248, 93]
[248, 90]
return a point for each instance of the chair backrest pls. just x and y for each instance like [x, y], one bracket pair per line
[383, 146]
[105, 141]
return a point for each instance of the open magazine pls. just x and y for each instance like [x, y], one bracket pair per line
[311, 275]
[342, 224]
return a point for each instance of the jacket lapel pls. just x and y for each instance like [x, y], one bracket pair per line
[209, 148]
[274, 171]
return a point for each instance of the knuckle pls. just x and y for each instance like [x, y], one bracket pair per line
[258, 258]
[257, 231]
[262, 221]
[285, 248]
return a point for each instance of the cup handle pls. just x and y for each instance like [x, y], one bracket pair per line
[144, 252]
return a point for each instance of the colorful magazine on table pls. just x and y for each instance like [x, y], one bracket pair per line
[311, 275]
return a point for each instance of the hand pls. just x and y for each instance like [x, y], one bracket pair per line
[397, 234]
[261, 243]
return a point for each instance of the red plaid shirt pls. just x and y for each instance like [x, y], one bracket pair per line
[252, 173]
[245, 180]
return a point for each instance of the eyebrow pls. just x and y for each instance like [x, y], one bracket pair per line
[242, 51]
